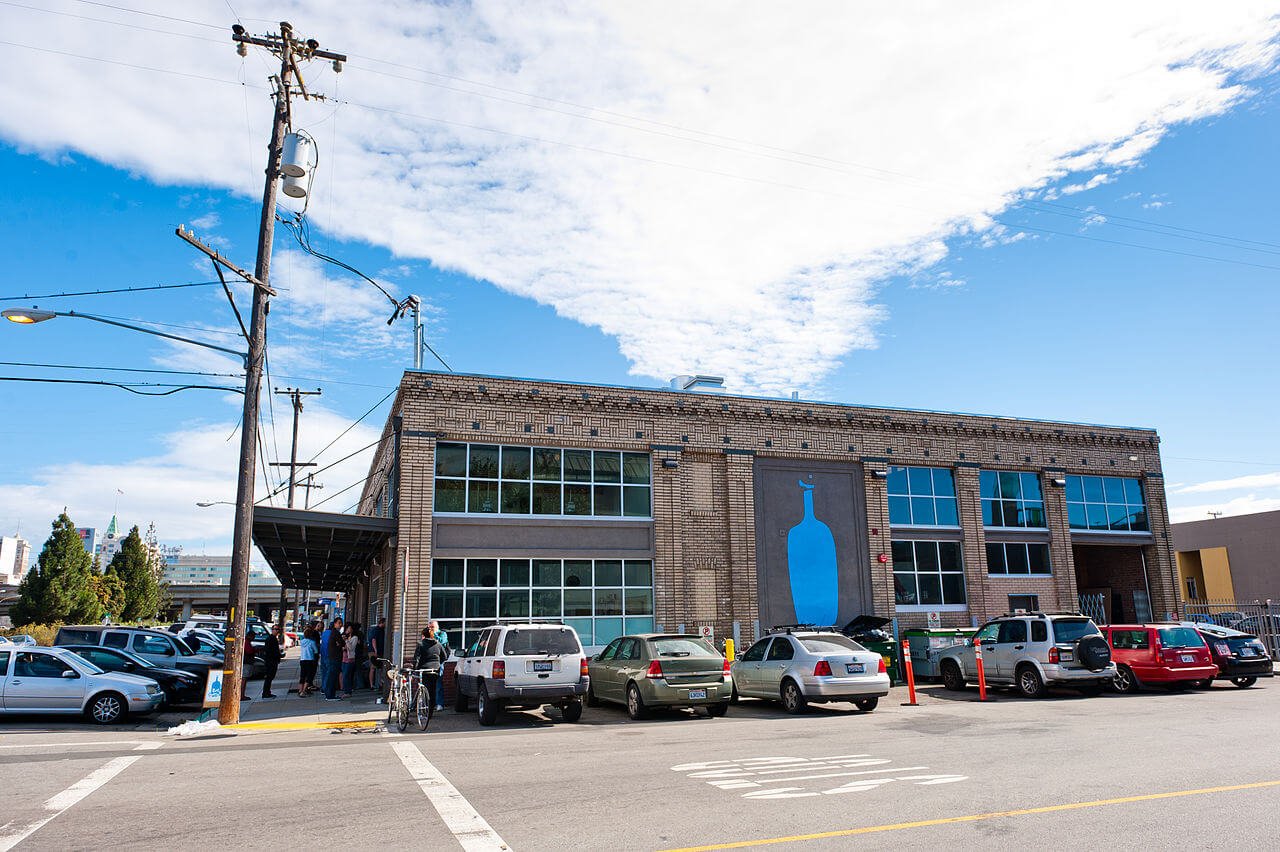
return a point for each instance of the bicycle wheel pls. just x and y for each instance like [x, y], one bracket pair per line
[402, 708]
[391, 703]
[423, 707]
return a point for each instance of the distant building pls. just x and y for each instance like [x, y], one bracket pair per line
[110, 544]
[183, 570]
[15, 556]
[1235, 558]
[89, 538]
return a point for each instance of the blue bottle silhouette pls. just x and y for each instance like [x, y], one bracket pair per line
[811, 562]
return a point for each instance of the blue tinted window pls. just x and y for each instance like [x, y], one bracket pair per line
[922, 511]
[1106, 503]
[946, 511]
[1075, 489]
[944, 483]
[927, 573]
[920, 480]
[1093, 492]
[897, 482]
[932, 497]
[899, 510]
[988, 484]
[1015, 500]
[1133, 492]
[1030, 486]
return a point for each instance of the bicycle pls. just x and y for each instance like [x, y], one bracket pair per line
[424, 704]
[399, 696]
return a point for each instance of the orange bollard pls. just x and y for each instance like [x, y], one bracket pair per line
[982, 674]
[911, 675]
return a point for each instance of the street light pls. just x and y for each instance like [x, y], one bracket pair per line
[31, 316]
[206, 505]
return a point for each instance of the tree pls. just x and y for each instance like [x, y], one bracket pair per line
[61, 587]
[133, 566]
[109, 589]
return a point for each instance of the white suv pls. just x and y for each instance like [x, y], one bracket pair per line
[522, 666]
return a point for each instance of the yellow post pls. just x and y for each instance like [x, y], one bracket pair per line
[728, 650]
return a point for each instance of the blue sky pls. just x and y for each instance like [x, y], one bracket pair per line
[883, 277]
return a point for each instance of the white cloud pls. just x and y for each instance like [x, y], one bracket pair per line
[679, 220]
[206, 222]
[1095, 181]
[1247, 505]
[1238, 483]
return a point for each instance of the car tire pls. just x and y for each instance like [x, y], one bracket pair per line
[716, 711]
[635, 703]
[1126, 682]
[952, 678]
[1030, 684]
[866, 705]
[486, 707]
[107, 708]
[572, 711]
[793, 700]
[1244, 682]
[592, 701]
[460, 702]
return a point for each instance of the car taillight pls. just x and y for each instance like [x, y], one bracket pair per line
[582, 669]
[727, 670]
[655, 670]
[883, 668]
[822, 669]
[499, 670]
[1054, 655]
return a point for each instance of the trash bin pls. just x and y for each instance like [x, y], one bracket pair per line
[927, 644]
[868, 631]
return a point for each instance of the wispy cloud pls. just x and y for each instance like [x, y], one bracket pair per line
[1238, 506]
[1238, 483]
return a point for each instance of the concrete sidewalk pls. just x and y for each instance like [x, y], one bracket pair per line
[287, 710]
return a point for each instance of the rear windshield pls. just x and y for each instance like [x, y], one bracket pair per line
[683, 647]
[1071, 629]
[72, 636]
[1180, 637]
[1237, 643]
[545, 641]
[829, 644]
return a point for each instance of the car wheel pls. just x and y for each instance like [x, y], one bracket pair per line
[866, 705]
[1125, 681]
[715, 711]
[1029, 683]
[635, 704]
[952, 679]
[572, 711]
[107, 708]
[592, 701]
[1244, 682]
[793, 700]
[486, 707]
[460, 702]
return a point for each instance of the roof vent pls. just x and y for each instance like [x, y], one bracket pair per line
[699, 384]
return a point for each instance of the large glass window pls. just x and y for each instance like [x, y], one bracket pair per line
[1011, 499]
[1106, 503]
[601, 598]
[928, 573]
[922, 496]
[1017, 558]
[500, 480]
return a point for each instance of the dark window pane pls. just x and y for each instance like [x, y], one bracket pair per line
[515, 462]
[920, 481]
[577, 572]
[953, 588]
[946, 507]
[944, 483]
[577, 499]
[949, 558]
[897, 482]
[639, 573]
[1138, 518]
[635, 468]
[995, 559]
[922, 511]
[1093, 492]
[1113, 487]
[482, 604]
[1038, 558]
[515, 572]
[1097, 516]
[577, 602]
[635, 501]
[513, 604]
[904, 558]
[546, 464]
[447, 572]
[546, 572]
[446, 604]
[930, 588]
[608, 601]
[546, 603]
[1030, 486]
[904, 589]
[926, 556]
[1009, 511]
[1118, 516]
[1075, 489]
[1016, 558]
[608, 572]
[608, 467]
[988, 484]
[1076, 517]
[899, 510]
[483, 462]
[1033, 514]
[546, 498]
[608, 500]
[639, 602]
[451, 495]
[482, 496]
[1133, 491]
[515, 498]
[991, 516]
[482, 572]
[1010, 485]
[577, 465]
[451, 459]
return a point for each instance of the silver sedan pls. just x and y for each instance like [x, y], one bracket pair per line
[802, 667]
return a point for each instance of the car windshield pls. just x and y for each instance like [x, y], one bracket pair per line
[140, 661]
[85, 664]
[1071, 629]
[683, 647]
[829, 644]
[540, 641]
[1180, 637]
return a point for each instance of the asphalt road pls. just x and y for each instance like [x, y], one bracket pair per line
[1141, 771]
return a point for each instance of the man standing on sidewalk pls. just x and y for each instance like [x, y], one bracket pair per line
[333, 650]
[377, 636]
[271, 656]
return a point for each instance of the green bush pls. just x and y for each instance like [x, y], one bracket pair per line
[42, 633]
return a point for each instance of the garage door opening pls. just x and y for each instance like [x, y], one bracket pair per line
[1113, 583]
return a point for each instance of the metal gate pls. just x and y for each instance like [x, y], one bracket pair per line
[1260, 619]
[1095, 607]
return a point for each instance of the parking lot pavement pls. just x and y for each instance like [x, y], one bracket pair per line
[1194, 769]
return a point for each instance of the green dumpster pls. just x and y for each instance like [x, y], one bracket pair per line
[868, 631]
[928, 643]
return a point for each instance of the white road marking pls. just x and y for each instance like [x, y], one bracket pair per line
[468, 827]
[760, 776]
[62, 801]
[149, 746]
[70, 745]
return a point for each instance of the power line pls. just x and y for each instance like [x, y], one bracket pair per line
[374, 408]
[371, 475]
[106, 292]
[153, 14]
[119, 369]
[131, 387]
[338, 462]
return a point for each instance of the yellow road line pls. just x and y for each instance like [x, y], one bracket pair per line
[1071, 806]
[300, 726]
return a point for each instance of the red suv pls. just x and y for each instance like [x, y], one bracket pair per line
[1169, 654]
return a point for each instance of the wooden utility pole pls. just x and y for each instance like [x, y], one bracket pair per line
[293, 464]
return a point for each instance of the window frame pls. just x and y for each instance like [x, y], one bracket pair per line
[910, 496]
[915, 543]
[1102, 508]
[1027, 545]
[1020, 500]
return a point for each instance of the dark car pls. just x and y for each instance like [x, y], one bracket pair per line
[180, 687]
[156, 646]
[1240, 657]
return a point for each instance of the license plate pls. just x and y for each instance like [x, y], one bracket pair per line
[542, 665]
[855, 668]
[1223, 649]
[1246, 652]
[697, 693]
[1188, 658]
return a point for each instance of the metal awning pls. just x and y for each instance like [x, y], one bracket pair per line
[319, 550]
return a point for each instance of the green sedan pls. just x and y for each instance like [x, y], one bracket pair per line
[652, 670]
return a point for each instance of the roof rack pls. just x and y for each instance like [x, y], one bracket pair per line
[791, 628]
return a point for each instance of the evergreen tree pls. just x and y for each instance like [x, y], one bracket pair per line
[110, 591]
[133, 566]
[61, 587]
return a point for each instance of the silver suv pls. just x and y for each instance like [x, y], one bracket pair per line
[1033, 651]
[799, 667]
[522, 667]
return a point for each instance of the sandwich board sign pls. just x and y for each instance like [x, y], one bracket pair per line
[213, 689]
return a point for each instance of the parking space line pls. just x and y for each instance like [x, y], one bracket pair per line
[59, 803]
[1070, 806]
[467, 826]
[71, 745]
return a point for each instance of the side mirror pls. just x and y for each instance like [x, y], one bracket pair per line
[70, 674]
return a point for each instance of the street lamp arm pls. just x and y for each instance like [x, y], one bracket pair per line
[244, 358]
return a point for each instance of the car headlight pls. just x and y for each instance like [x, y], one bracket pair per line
[152, 688]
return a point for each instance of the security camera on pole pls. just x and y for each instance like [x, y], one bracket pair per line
[290, 51]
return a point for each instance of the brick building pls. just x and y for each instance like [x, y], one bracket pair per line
[623, 509]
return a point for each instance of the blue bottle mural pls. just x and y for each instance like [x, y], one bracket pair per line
[811, 562]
